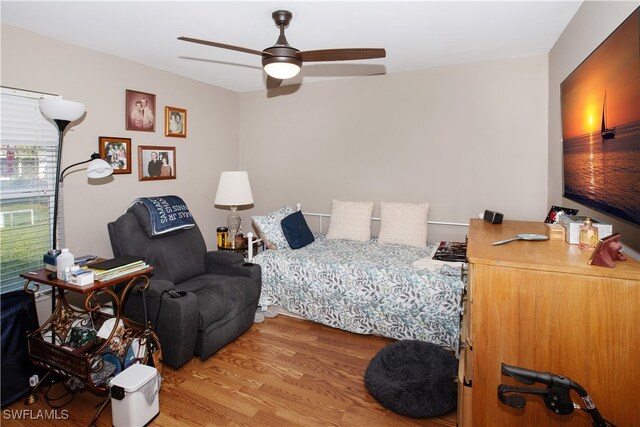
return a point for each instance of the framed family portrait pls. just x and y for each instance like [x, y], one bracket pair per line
[175, 122]
[140, 111]
[116, 152]
[155, 162]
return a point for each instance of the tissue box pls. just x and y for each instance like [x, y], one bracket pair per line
[81, 277]
[572, 224]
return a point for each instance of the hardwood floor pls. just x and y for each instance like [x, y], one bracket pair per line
[282, 372]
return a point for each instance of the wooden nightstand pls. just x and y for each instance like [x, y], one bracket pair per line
[242, 249]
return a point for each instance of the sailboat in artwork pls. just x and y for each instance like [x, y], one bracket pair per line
[607, 133]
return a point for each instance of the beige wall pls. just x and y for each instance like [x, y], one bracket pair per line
[464, 138]
[37, 63]
[593, 22]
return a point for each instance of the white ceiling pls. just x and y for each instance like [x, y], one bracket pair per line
[415, 34]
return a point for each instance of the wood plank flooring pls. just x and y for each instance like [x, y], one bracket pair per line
[282, 372]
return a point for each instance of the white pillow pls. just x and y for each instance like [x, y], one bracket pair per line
[269, 229]
[350, 220]
[403, 223]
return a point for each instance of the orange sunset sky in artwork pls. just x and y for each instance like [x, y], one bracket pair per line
[615, 67]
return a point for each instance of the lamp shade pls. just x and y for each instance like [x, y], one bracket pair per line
[61, 109]
[234, 189]
[282, 70]
[98, 168]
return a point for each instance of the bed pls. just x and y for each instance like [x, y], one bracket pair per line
[366, 287]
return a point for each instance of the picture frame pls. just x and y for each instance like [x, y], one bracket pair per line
[175, 122]
[608, 250]
[553, 217]
[156, 162]
[140, 111]
[116, 152]
[601, 126]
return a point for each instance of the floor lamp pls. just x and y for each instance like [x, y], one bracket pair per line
[97, 167]
[63, 112]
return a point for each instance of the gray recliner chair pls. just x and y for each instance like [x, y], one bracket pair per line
[218, 291]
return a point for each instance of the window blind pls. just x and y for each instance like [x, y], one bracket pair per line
[28, 153]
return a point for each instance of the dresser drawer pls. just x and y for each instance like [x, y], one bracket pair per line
[468, 362]
[469, 280]
[467, 342]
[465, 395]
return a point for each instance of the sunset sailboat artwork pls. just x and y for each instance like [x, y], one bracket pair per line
[600, 112]
[606, 133]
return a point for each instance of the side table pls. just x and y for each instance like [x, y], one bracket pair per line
[242, 249]
[127, 343]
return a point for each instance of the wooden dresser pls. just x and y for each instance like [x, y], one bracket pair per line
[540, 306]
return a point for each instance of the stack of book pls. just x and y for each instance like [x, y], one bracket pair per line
[117, 267]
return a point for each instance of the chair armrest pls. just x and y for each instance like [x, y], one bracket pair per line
[157, 287]
[176, 323]
[232, 264]
[175, 320]
[213, 258]
[247, 269]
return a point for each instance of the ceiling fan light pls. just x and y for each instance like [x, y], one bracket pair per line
[282, 70]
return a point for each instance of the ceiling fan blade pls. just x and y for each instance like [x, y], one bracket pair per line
[341, 54]
[224, 46]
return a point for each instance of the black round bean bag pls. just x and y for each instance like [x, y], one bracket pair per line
[413, 378]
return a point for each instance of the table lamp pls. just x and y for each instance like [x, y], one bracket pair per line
[233, 190]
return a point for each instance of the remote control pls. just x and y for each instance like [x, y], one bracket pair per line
[173, 294]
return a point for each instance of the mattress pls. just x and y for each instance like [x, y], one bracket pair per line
[366, 288]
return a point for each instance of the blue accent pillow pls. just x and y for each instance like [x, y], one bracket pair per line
[296, 230]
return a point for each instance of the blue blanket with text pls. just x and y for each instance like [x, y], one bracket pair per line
[167, 213]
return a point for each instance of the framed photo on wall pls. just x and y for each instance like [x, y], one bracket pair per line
[175, 122]
[116, 152]
[140, 111]
[156, 162]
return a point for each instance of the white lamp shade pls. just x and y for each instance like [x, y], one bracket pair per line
[282, 70]
[61, 109]
[98, 168]
[234, 189]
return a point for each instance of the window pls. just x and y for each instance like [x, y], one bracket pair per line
[28, 154]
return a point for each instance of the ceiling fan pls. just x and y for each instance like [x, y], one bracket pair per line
[283, 61]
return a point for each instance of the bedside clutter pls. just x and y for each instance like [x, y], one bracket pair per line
[572, 223]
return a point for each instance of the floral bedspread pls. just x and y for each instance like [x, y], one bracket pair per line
[366, 288]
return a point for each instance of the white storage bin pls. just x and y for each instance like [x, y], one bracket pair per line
[134, 396]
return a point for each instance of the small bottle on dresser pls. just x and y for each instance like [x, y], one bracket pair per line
[588, 235]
